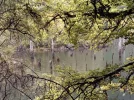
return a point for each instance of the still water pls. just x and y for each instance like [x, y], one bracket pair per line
[80, 60]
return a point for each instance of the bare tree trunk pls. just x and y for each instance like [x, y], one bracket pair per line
[121, 49]
[52, 56]
[31, 46]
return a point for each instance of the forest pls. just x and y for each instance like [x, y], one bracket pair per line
[43, 44]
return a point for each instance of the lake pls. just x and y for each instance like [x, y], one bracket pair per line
[80, 60]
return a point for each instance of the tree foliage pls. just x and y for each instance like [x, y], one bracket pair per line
[96, 22]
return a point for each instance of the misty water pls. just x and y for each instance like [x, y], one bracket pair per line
[80, 60]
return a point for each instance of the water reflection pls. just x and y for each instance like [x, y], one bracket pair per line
[80, 60]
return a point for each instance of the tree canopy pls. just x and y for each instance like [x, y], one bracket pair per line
[95, 22]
